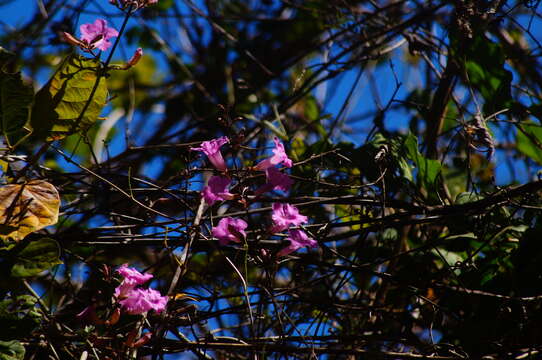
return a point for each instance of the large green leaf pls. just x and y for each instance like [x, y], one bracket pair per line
[71, 101]
[36, 257]
[484, 65]
[11, 350]
[428, 169]
[526, 141]
[16, 100]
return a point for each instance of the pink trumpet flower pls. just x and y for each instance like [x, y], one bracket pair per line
[230, 229]
[139, 301]
[279, 156]
[97, 35]
[298, 239]
[217, 189]
[285, 215]
[132, 278]
[275, 181]
[135, 300]
[212, 150]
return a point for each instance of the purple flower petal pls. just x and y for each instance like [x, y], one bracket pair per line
[132, 278]
[275, 181]
[97, 34]
[230, 229]
[217, 189]
[298, 239]
[279, 156]
[211, 148]
[139, 301]
[285, 215]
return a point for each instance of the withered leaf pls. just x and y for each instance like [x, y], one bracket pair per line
[25, 208]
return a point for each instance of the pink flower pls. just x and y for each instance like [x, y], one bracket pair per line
[97, 35]
[212, 150]
[217, 190]
[139, 301]
[285, 215]
[275, 181]
[278, 157]
[298, 239]
[230, 229]
[132, 278]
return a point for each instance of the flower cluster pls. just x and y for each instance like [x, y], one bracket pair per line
[136, 300]
[284, 215]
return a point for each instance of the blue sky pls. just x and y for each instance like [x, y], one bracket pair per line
[16, 13]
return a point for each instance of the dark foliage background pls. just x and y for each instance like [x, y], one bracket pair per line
[415, 131]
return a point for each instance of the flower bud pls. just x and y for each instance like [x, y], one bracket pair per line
[70, 39]
[114, 318]
[135, 58]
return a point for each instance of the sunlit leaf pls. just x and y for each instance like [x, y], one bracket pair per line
[37, 256]
[428, 169]
[71, 101]
[25, 208]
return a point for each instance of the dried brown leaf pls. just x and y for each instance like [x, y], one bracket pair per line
[25, 208]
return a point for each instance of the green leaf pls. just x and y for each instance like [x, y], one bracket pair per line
[469, 235]
[16, 99]
[449, 258]
[19, 316]
[64, 105]
[11, 350]
[36, 257]
[406, 169]
[467, 197]
[428, 170]
[312, 111]
[525, 143]
[484, 65]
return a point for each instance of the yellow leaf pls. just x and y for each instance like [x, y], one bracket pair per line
[25, 208]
